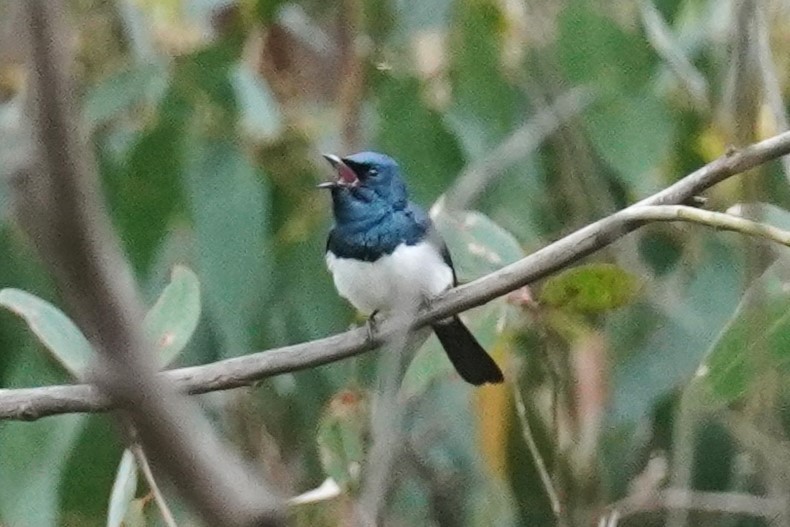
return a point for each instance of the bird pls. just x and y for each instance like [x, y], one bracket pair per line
[385, 254]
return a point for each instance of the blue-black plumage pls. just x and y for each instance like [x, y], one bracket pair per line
[385, 255]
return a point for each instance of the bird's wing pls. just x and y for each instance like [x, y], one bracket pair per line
[432, 236]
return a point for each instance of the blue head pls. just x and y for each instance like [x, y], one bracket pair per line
[369, 186]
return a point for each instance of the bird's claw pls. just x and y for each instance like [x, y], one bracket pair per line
[370, 325]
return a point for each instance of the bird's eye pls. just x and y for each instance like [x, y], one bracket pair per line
[373, 172]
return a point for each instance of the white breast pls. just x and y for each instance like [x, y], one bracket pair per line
[403, 279]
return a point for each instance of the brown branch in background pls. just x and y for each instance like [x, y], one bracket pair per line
[478, 176]
[96, 282]
[33, 403]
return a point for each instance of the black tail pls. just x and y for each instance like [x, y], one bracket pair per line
[471, 361]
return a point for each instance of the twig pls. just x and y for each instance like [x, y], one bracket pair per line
[717, 220]
[89, 268]
[772, 88]
[475, 178]
[691, 500]
[660, 36]
[142, 462]
[33, 403]
[526, 431]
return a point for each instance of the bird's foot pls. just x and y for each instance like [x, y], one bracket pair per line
[370, 325]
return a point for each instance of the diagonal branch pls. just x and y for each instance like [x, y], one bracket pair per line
[34, 403]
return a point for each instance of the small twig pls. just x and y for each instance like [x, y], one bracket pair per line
[476, 177]
[772, 88]
[526, 431]
[660, 36]
[717, 220]
[142, 462]
[691, 500]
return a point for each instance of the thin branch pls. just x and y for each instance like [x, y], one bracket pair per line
[717, 220]
[33, 403]
[540, 465]
[89, 268]
[660, 36]
[772, 88]
[476, 177]
[691, 500]
[142, 462]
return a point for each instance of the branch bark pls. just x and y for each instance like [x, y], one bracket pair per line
[34, 403]
[76, 241]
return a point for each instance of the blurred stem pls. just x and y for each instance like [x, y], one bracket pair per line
[353, 78]
[772, 87]
[145, 467]
[526, 139]
[684, 437]
[540, 464]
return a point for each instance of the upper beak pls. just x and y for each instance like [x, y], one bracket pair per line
[345, 175]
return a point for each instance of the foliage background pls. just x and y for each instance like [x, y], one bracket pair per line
[207, 117]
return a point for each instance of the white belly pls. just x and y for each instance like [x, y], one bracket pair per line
[401, 280]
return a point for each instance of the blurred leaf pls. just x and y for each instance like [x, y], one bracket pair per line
[414, 15]
[634, 134]
[260, 115]
[417, 137]
[759, 327]
[32, 460]
[478, 245]
[172, 320]
[135, 514]
[144, 183]
[485, 106]
[121, 92]
[230, 208]
[53, 328]
[593, 288]
[123, 490]
[342, 435]
[593, 49]
[669, 344]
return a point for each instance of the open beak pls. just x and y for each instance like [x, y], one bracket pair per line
[345, 175]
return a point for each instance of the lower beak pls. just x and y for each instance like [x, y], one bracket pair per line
[328, 184]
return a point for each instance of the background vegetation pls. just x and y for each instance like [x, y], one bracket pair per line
[663, 362]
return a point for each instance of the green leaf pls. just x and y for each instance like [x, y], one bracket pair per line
[120, 92]
[53, 328]
[144, 183]
[594, 49]
[230, 211]
[485, 106]
[341, 437]
[135, 514]
[478, 246]
[32, 461]
[594, 288]
[418, 137]
[123, 490]
[634, 135]
[260, 115]
[172, 320]
[760, 327]
[657, 351]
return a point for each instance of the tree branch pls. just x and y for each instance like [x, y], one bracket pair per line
[80, 248]
[34, 403]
